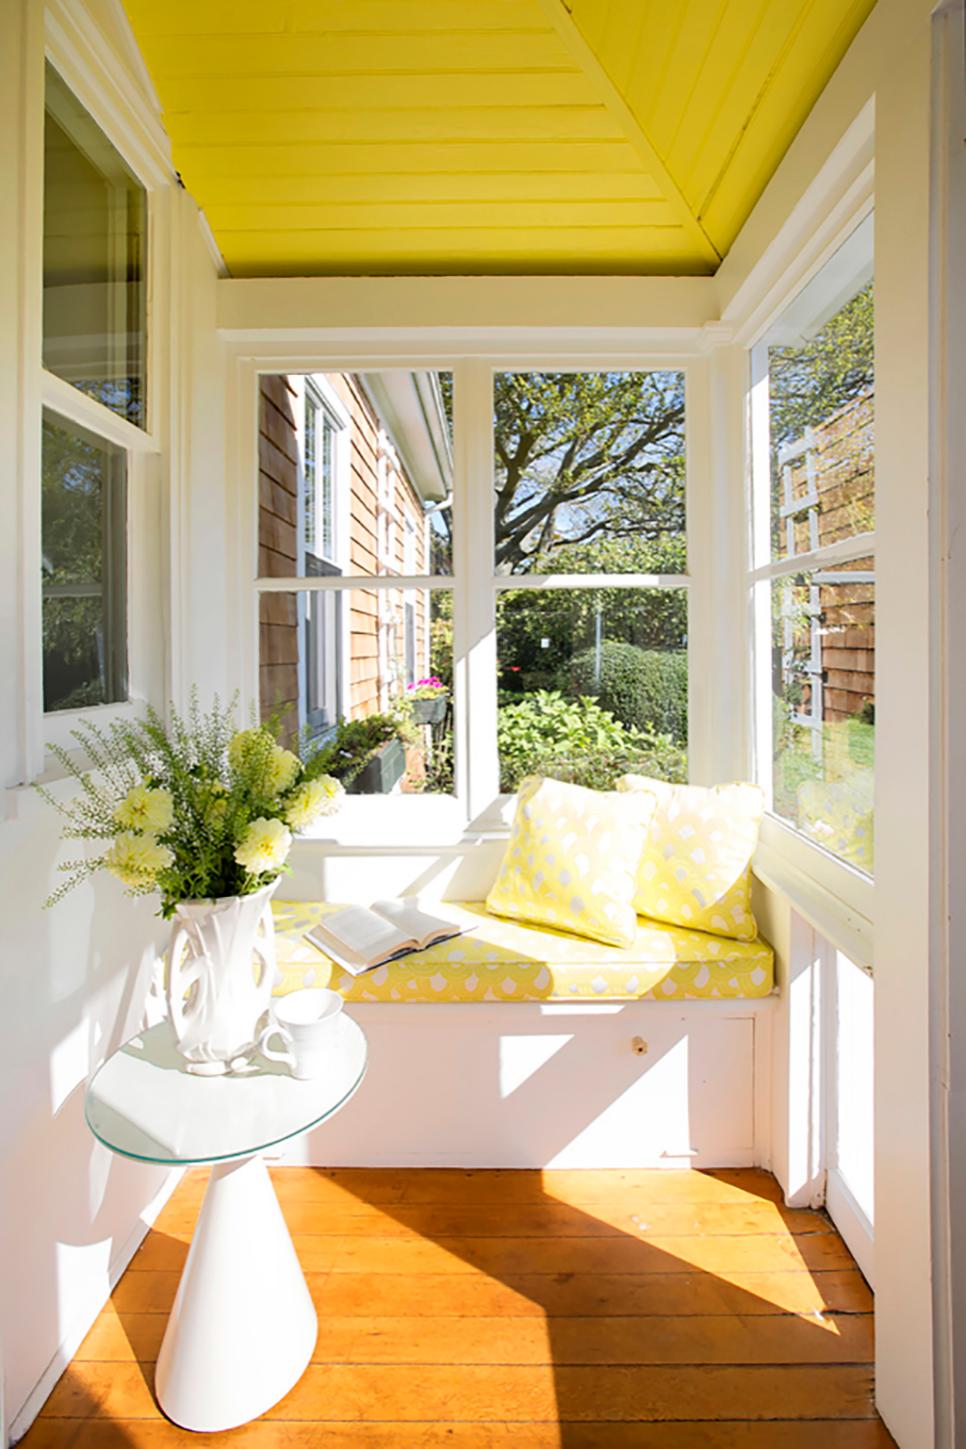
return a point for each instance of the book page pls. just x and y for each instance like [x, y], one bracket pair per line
[365, 934]
[411, 921]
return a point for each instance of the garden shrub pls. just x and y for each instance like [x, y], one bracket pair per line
[576, 740]
[643, 688]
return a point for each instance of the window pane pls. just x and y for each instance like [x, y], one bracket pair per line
[593, 683]
[83, 567]
[95, 228]
[355, 474]
[589, 472]
[821, 406]
[366, 674]
[824, 707]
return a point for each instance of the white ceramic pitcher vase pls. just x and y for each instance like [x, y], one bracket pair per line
[221, 970]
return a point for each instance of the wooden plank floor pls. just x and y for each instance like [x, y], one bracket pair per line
[524, 1310]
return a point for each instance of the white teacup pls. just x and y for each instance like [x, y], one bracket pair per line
[304, 1020]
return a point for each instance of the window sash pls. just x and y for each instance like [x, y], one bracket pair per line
[474, 582]
[764, 571]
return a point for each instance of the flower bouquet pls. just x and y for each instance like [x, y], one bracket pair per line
[428, 698]
[203, 814]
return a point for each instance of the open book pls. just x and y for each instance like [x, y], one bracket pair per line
[360, 938]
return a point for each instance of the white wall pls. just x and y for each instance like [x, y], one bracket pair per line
[75, 981]
[889, 63]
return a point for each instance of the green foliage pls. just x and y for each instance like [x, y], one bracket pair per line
[643, 688]
[539, 630]
[807, 384]
[355, 743]
[440, 776]
[585, 455]
[577, 740]
[847, 746]
[441, 636]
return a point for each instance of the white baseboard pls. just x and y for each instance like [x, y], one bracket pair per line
[855, 1228]
[83, 1318]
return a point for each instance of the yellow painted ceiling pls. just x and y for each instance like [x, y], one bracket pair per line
[483, 136]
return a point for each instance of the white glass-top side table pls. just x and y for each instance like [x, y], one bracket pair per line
[243, 1325]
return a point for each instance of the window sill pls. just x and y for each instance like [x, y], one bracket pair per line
[835, 898]
[58, 724]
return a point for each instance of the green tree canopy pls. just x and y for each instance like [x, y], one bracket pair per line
[585, 456]
[810, 382]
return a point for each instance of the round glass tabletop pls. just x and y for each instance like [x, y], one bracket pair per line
[142, 1103]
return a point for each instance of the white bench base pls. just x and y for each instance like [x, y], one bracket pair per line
[530, 1085]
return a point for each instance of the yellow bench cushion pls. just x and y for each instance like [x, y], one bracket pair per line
[509, 961]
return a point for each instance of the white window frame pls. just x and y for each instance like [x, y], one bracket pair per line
[334, 416]
[787, 858]
[477, 804]
[61, 35]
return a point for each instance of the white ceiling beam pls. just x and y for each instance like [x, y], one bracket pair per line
[283, 305]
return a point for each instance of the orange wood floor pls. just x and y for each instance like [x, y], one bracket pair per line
[523, 1310]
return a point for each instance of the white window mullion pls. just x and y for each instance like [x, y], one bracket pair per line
[845, 550]
[474, 602]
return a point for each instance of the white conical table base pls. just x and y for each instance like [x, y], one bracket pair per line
[243, 1325]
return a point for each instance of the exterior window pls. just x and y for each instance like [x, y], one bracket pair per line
[94, 262]
[813, 423]
[319, 482]
[575, 598]
[84, 538]
[353, 469]
[590, 480]
[321, 613]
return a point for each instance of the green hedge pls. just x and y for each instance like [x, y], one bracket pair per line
[645, 689]
[576, 740]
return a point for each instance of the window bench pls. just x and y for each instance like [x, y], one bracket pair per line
[505, 960]
[532, 1048]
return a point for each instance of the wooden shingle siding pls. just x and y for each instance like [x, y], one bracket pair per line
[843, 469]
[277, 512]
[368, 550]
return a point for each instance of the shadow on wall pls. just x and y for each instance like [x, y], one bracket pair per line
[76, 981]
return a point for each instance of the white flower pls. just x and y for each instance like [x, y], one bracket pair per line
[136, 860]
[281, 770]
[312, 800]
[145, 809]
[264, 846]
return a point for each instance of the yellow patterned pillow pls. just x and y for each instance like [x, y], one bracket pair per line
[571, 862]
[695, 870]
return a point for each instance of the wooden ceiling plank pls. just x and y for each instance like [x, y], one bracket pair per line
[295, 128]
[496, 88]
[244, 56]
[588, 62]
[192, 18]
[465, 157]
[333, 215]
[497, 188]
[772, 125]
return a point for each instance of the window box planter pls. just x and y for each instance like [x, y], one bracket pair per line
[430, 711]
[380, 774]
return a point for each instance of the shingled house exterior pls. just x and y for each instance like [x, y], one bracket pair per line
[349, 467]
